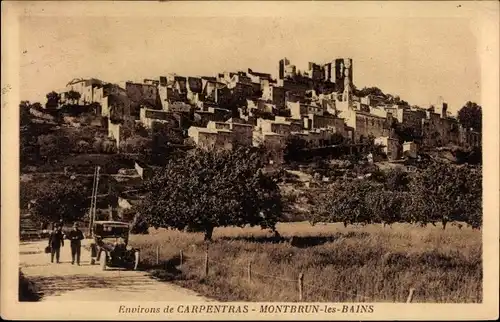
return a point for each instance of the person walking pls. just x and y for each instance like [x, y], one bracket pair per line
[56, 241]
[75, 236]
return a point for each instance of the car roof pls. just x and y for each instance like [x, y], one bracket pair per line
[111, 222]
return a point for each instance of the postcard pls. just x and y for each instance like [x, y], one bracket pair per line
[253, 160]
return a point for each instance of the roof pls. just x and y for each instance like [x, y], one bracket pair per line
[259, 74]
[111, 222]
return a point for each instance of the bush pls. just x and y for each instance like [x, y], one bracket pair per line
[28, 292]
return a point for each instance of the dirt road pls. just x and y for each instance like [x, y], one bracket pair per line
[66, 282]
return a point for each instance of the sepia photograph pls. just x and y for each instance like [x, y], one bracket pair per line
[303, 161]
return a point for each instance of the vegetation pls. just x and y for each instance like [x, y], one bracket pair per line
[340, 264]
[28, 292]
[470, 116]
[439, 193]
[50, 201]
[53, 99]
[213, 189]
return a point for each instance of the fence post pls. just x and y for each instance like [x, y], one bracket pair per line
[410, 295]
[157, 254]
[301, 286]
[180, 258]
[206, 261]
[249, 272]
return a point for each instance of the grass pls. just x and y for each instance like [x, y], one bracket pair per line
[370, 263]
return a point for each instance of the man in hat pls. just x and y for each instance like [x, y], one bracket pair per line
[56, 240]
[75, 236]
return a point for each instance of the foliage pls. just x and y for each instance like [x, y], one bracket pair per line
[74, 96]
[396, 180]
[294, 148]
[439, 193]
[470, 116]
[28, 291]
[56, 200]
[52, 146]
[24, 113]
[443, 193]
[209, 189]
[386, 206]
[136, 144]
[345, 203]
[53, 99]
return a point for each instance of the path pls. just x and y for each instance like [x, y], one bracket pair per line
[66, 282]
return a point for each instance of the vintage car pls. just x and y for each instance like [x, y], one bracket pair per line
[110, 245]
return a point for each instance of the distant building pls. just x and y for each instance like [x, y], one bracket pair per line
[85, 87]
[142, 95]
[298, 110]
[209, 138]
[410, 149]
[149, 117]
[207, 114]
[390, 147]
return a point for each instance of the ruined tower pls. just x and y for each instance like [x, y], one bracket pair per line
[343, 74]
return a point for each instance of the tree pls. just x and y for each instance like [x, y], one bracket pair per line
[209, 189]
[445, 193]
[53, 99]
[58, 200]
[52, 146]
[294, 148]
[345, 203]
[24, 113]
[470, 116]
[74, 96]
[396, 180]
[386, 206]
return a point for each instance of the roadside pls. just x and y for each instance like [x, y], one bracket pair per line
[66, 282]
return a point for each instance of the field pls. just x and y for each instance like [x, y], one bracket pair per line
[340, 264]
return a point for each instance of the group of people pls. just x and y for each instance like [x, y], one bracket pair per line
[56, 241]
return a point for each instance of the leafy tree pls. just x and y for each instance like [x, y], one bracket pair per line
[294, 148]
[74, 96]
[24, 113]
[470, 116]
[136, 144]
[386, 206]
[444, 193]
[53, 99]
[209, 189]
[52, 146]
[58, 200]
[345, 203]
[37, 106]
[396, 180]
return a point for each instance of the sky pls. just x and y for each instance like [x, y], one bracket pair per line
[419, 59]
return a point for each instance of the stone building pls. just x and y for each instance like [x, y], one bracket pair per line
[313, 121]
[273, 93]
[366, 124]
[410, 149]
[209, 138]
[85, 87]
[142, 95]
[298, 110]
[390, 146]
[343, 74]
[149, 118]
[211, 113]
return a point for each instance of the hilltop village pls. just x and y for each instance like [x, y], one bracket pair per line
[320, 106]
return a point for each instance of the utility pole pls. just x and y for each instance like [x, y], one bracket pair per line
[93, 202]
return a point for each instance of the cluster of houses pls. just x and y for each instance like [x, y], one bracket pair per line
[317, 105]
